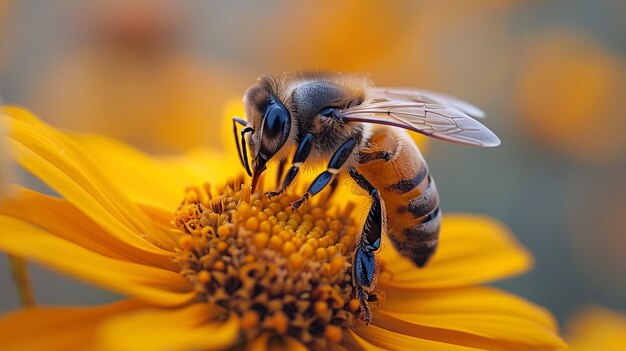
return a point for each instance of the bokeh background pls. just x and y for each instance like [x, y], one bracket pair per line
[164, 76]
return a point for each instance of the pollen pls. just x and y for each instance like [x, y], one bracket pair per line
[280, 271]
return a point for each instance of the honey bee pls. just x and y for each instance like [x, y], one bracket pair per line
[359, 130]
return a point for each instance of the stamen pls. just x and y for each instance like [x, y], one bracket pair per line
[282, 272]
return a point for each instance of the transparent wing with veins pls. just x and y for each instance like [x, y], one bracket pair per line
[443, 120]
[426, 96]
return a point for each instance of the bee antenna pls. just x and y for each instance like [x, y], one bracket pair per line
[241, 149]
[245, 150]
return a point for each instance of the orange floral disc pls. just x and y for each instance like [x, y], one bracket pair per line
[280, 271]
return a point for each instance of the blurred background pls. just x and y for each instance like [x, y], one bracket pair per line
[163, 76]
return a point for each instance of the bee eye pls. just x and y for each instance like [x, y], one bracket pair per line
[327, 111]
[275, 119]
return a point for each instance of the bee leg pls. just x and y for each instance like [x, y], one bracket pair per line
[303, 151]
[363, 298]
[364, 263]
[337, 160]
[375, 220]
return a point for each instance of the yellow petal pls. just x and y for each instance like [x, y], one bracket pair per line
[470, 316]
[203, 165]
[289, 344]
[267, 341]
[260, 343]
[163, 219]
[352, 341]
[489, 331]
[62, 219]
[596, 328]
[375, 338]
[338, 347]
[63, 165]
[472, 249]
[56, 328]
[191, 327]
[476, 302]
[156, 181]
[159, 181]
[156, 285]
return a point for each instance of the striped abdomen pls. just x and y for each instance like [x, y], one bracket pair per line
[394, 165]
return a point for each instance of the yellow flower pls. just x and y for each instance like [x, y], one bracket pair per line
[214, 267]
[597, 328]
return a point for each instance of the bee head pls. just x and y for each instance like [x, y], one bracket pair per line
[269, 123]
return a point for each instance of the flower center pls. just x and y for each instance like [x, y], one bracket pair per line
[281, 271]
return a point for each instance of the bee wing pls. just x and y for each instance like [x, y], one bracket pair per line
[425, 96]
[438, 121]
